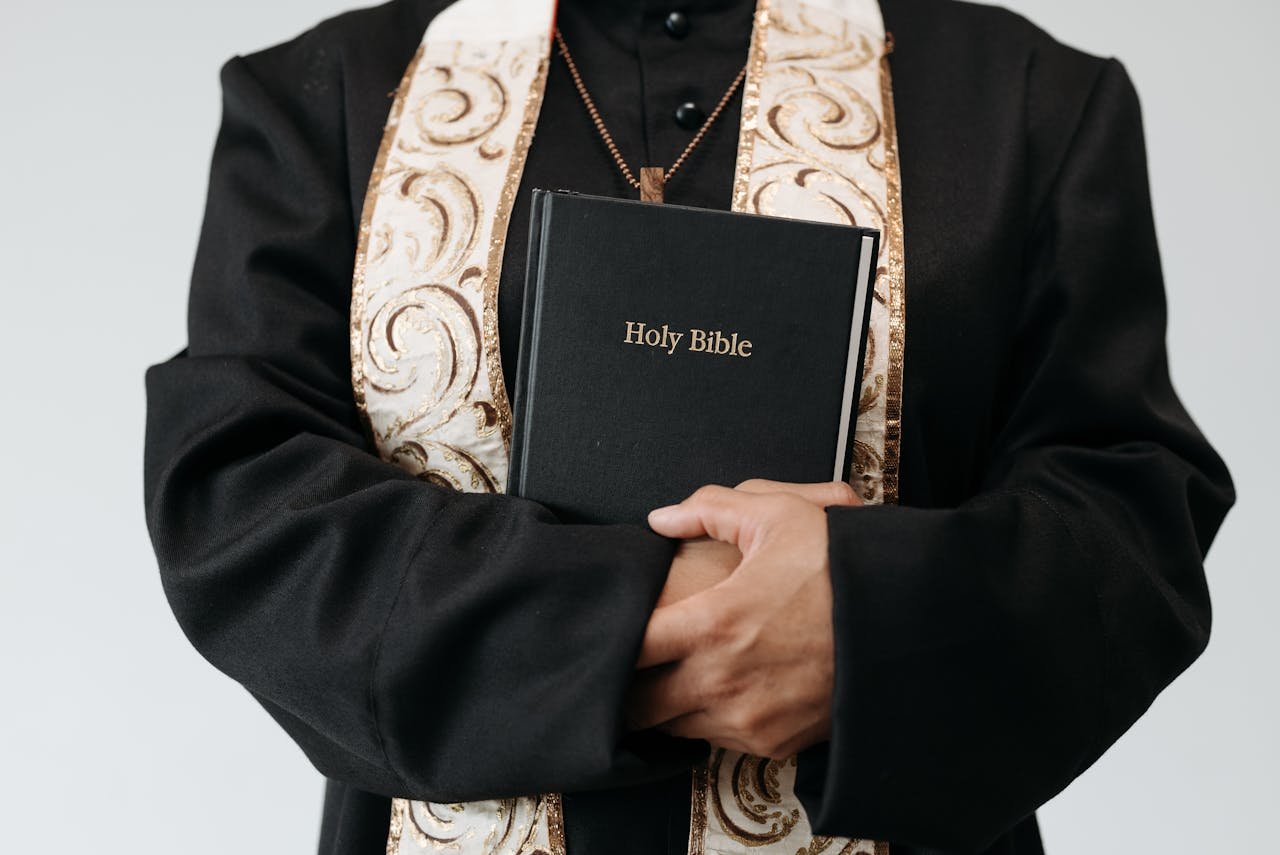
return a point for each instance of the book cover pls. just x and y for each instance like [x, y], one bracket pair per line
[665, 347]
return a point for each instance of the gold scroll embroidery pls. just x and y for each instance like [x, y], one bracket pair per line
[894, 276]
[425, 357]
[499, 827]
[818, 141]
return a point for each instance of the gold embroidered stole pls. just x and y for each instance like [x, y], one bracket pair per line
[817, 141]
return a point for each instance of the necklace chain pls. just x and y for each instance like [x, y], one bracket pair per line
[594, 113]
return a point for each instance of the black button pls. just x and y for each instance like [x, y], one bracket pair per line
[689, 116]
[677, 25]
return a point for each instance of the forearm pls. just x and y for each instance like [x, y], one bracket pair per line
[414, 640]
[988, 654]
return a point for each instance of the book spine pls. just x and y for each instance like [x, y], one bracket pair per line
[864, 292]
[527, 349]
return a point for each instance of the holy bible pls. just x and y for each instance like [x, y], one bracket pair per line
[664, 347]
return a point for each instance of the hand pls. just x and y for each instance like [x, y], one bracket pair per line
[748, 663]
[698, 564]
[702, 563]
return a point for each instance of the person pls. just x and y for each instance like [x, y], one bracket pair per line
[915, 675]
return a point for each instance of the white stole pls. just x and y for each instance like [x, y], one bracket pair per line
[817, 141]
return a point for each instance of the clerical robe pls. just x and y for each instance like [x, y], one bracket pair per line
[1038, 583]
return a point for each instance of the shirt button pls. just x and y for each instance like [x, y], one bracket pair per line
[677, 25]
[689, 116]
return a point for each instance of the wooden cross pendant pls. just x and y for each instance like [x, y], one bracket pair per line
[652, 179]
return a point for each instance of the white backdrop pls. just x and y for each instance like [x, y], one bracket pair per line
[116, 735]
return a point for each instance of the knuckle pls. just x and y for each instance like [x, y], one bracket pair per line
[718, 687]
[707, 494]
[777, 749]
[753, 484]
[701, 493]
[769, 742]
[703, 690]
[744, 720]
[784, 504]
[742, 638]
[751, 715]
[703, 625]
[842, 493]
[717, 625]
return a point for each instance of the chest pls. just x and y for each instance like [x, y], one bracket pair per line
[965, 218]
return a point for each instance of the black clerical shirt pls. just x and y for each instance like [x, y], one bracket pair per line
[1040, 583]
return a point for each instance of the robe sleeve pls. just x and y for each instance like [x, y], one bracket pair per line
[413, 640]
[987, 654]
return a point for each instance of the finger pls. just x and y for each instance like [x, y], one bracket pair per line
[822, 493]
[661, 694]
[672, 633]
[701, 725]
[713, 511]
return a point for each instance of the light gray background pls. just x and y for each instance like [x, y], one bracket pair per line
[117, 736]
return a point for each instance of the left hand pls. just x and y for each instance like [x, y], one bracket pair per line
[747, 664]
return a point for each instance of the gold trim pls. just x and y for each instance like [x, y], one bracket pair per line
[748, 134]
[896, 270]
[700, 784]
[396, 825]
[498, 241]
[358, 296]
[750, 105]
[555, 823]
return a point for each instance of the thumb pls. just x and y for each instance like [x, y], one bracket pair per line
[715, 512]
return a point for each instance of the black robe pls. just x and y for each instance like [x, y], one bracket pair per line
[1040, 583]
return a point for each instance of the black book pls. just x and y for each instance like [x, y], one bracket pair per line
[664, 347]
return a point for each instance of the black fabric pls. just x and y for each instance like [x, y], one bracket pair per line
[1040, 584]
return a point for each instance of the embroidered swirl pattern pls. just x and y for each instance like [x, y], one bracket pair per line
[425, 356]
[424, 303]
[495, 827]
[747, 798]
[816, 141]
[816, 147]
[745, 804]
